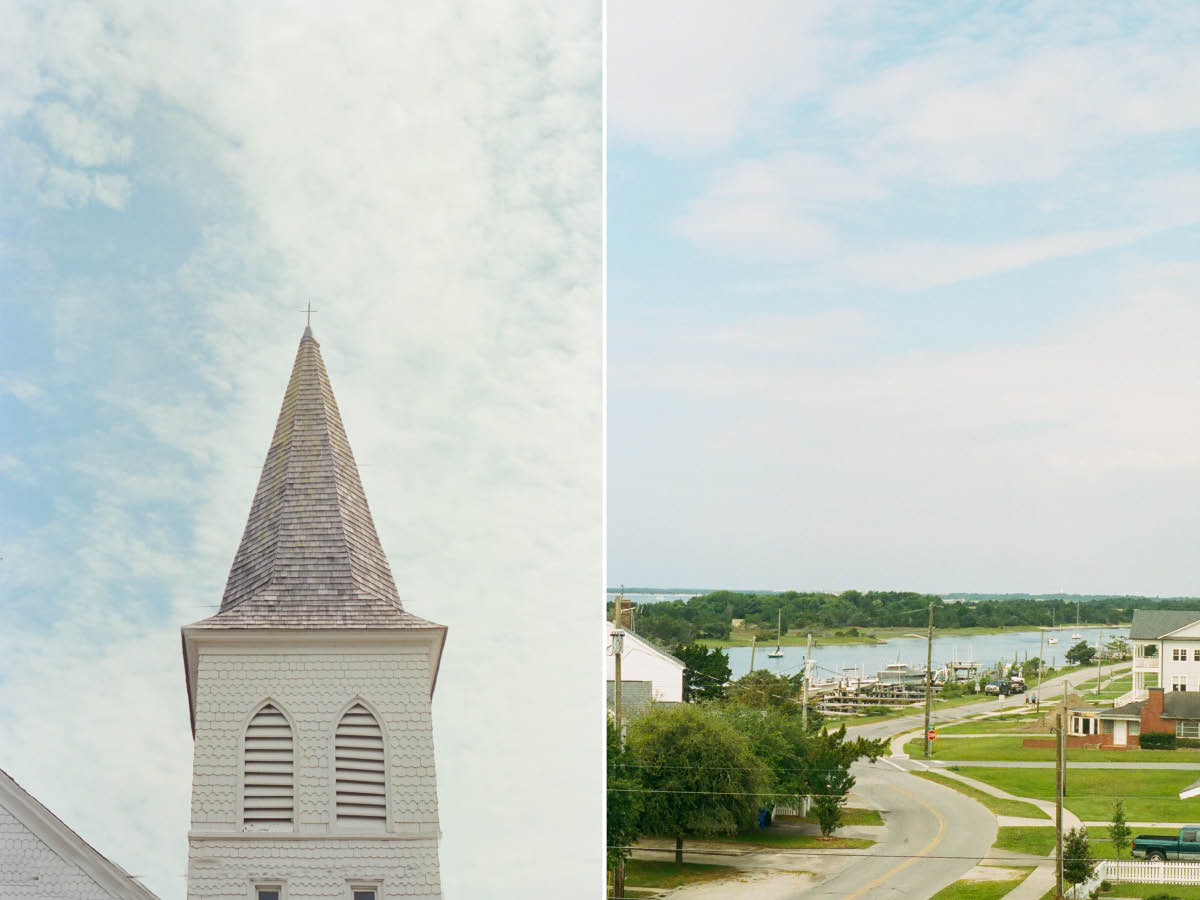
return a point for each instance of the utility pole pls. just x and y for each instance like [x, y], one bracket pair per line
[1099, 661]
[1059, 767]
[804, 685]
[928, 680]
[1041, 663]
[618, 638]
[753, 638]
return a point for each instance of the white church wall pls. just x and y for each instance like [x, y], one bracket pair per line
[31, 870]
[313, 685]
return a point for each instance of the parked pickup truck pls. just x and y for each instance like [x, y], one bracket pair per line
[1158, 846]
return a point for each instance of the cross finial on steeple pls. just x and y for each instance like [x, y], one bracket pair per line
[308, 311]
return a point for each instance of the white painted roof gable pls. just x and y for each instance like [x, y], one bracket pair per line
[41, 857]
[631, 638]
[1191, 631]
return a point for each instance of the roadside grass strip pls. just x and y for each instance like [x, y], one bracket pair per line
[1150, 795]
[786, 840]
[981, 888]
[851, 815]
[1025, 839]
[1120, 889]
[1023, 725]
[649, 873]
[1006, 749]
[999, 805]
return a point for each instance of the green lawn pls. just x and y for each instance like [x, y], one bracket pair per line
[1005, 724]
[998, 805]
[1177, 891]
[1149, 795]
[967, 889]
[1009, 748]
[655, 874]
[1025, 839]
[851, 815]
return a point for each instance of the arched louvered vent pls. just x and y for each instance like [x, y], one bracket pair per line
[359, 771]
[268, 788]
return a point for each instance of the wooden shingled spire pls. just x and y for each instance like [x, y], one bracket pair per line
[310, 556]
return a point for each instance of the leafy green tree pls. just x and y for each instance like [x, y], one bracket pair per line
[707, 671]
[1118, 831]
[1081, 654]
[827, 760]
[763, 689]
[624, 801]
[1118, 648]
[1078, 864]
[700, 777]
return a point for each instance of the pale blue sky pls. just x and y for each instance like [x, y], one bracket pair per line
[173, 190]
[904, 296]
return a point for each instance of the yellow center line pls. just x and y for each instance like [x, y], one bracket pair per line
[912, 859]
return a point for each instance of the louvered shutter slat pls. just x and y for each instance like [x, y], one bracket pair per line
[269, 778]
[360, 781]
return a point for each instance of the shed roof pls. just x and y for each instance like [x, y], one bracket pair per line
[310, 556]
[1128, 711]
[1151, 624]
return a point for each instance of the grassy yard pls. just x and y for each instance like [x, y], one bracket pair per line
[1005, 724]
[968, 889]
[998, 805]
[1025, 839]
[655, 874]
[1149, 795]
[1177, 891]
[851, 815]
[1009, 748]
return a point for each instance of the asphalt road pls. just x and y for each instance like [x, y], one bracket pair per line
[934, 834]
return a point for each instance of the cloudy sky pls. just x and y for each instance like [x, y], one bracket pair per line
[903, 295]
[176, 183]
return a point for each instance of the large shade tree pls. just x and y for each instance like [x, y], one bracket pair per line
[699, 776]
[707, 671]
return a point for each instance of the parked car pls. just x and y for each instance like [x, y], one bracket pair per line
[996, 687]
[1017, 684]
[1158, 846]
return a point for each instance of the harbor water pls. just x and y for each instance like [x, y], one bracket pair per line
[836, 660]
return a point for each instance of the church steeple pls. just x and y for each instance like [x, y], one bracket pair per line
[310, 555]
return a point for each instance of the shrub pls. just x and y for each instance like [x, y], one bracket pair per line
[1157, 740]
[1187, 742]
[1105, 886]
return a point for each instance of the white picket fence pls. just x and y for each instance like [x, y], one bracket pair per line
[1149, 872]
[1143, 872]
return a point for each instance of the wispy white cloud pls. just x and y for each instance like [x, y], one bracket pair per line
[429, 178]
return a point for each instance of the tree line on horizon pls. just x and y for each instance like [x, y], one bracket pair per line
[711, 615]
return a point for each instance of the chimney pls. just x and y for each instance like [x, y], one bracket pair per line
[1154, 701]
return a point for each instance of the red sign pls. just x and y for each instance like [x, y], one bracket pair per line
[932, 735]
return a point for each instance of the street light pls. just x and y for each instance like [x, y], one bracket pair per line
[928, 677]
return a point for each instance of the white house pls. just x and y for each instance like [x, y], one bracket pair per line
[642, 661]
[1166, 652]
[41, 857]
[309, 691]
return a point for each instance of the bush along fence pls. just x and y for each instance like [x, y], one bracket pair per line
[1141, 872]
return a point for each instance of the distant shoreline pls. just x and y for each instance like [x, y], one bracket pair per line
[870, 635]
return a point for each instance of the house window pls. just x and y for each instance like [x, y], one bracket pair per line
[1187, 729]
[268, 892]
[1147, 650]
[364, 891]
[364, 894]
[1196, 655]
[1179, 682]
[1178, 654]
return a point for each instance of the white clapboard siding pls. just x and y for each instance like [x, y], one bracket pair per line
[361, 783]
[269, 784]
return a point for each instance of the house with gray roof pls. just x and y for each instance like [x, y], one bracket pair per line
[1166, 652]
